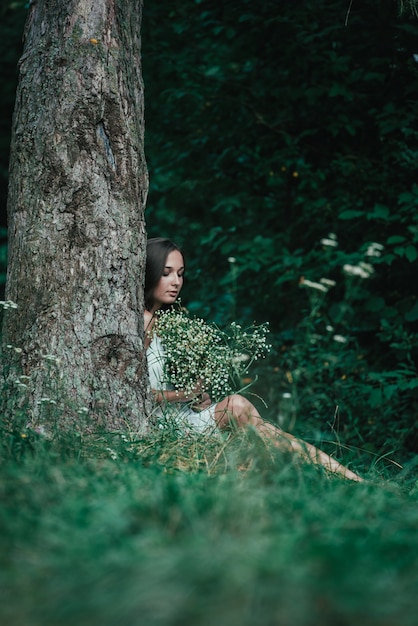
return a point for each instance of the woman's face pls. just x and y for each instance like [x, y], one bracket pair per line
[171, 282]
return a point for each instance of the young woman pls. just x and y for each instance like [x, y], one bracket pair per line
[164, 277]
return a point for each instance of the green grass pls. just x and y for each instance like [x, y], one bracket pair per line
[185, 531]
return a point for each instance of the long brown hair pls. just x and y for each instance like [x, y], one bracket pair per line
[158, 249]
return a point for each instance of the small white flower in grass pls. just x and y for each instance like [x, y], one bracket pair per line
[329, 328]
[351, 270]
[45, 400]
[51, 358]
[310, 284]
[8, 304]
[340, 339]
[373, 252]
[83, 410]
[367, 267]
[232, 259]
[328, 282]
[375, 249]
[112, 453]
[358, 270]
[329, 243]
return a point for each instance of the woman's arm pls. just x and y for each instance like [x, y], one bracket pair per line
[148, 324]
[200, 400]
[161, 396]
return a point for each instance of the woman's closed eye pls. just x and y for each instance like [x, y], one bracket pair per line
[179, 274]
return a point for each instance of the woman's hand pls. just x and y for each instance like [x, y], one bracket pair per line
[198, 399]
[202, 402]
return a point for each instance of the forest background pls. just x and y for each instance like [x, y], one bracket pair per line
[281, 141]
[281, 144]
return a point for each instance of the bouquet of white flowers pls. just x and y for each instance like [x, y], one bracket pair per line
[198, 353]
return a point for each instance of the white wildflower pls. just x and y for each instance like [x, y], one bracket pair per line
[367, 267]
[329, 328]
[197, 351]
[329, 243]
[112, 453]
[340, 339]
[375, 249]
[51, 358]
[310, 284]
[8, 304]
[328, 282]
[241, 358]
[232, 259]
[44, 400]
[373, 252]
[358, 270]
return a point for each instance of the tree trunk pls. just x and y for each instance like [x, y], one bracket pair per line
[78, 184]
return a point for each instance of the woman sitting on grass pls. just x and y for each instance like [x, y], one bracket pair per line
[163, 282]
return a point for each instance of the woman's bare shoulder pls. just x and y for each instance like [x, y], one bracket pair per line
[147, 319]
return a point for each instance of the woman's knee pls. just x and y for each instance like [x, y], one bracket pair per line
[240, 405]
[235, 409]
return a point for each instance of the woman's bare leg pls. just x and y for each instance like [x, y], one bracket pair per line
[238, 410]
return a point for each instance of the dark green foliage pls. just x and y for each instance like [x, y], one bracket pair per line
[409, 5]
[267, 130]
[268, 127]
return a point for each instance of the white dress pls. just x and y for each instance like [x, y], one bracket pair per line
[181, 412]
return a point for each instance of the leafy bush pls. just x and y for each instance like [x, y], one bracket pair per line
[266, 131]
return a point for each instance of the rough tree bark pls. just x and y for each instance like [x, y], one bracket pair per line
[78, 184]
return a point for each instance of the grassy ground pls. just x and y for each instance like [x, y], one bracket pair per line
[171, 531]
